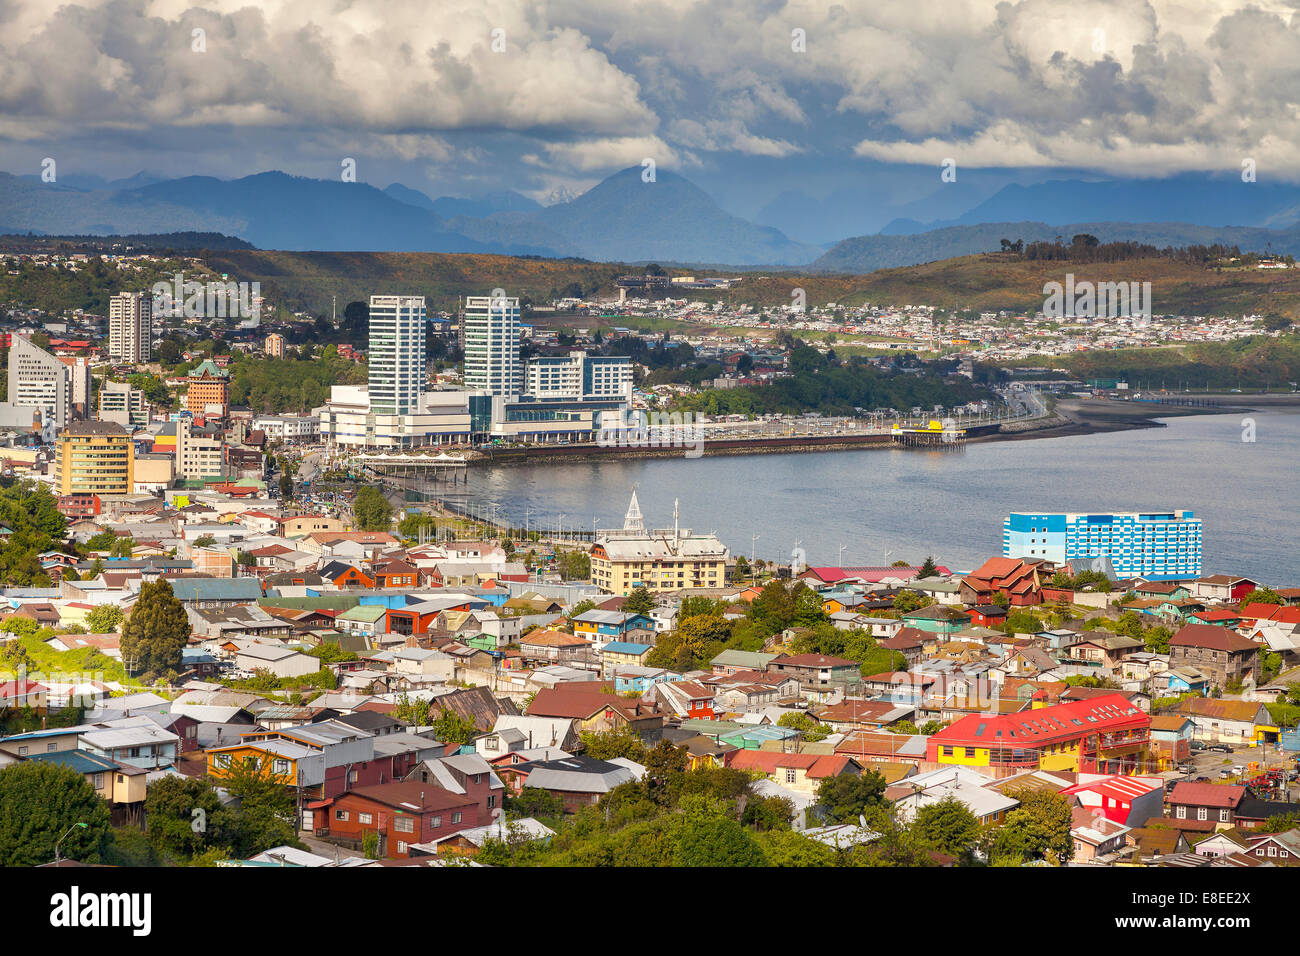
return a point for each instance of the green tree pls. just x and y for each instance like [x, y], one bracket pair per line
[451, 728]
[949, 827]
[573, 565]
[929, 569]
[639, 602]
[372, 510]
[613, 743]
[266, 816]
[176, 831]
[808, 728]
[710, 837]
[1039, 827]
[39, 803]
[845, 797]
[157, 630]
[787, 848]
[1261, 596]
[104, 619]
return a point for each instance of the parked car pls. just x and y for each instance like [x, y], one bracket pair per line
[1186, 768]
[1238, 769]
[1220, 748]
[1197, 745]
[1226, 773]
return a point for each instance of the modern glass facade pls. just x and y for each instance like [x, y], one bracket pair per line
[1152, 545]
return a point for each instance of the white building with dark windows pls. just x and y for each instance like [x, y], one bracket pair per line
[492, 338]
[396, 353]
[1152, 545]
[579, 377]
[130, 327]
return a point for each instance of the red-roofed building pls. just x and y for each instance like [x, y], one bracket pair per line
[23, 693]
[870, 574]
[802, 773]
[1212, 802]
[1013, 578]
[1131, 801]
[1103, 735]
[400, 813]
[73, 507]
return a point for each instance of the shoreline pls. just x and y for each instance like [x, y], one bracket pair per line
[1071, 417]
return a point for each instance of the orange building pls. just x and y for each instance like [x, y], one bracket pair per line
[208, 386]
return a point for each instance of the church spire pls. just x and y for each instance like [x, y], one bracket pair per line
[633, 521]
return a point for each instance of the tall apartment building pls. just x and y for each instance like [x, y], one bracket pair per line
[275, 345]
[94, 458]
[40, 381]
[492, 335]
[119, 402]
[579, 377]
[209, 388]
[1156, 546]
[396, 354]
[197, 456]
[130, 327]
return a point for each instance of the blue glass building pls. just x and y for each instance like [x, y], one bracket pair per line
[1157, 546]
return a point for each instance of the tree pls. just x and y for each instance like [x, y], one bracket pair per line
[907, 600]
[574, 565]
[1261, 596]
[157, 629]
[582, 607]
[639, 602]
[40, 802]
[176, 831]
[929, 569]
[372, 510]
[787, 848]
[415, 524]
[266, 816]
[742, 568]
[710, 837]
[202, 541]
[1038, 827]
[451, 728]
[948, 826]
[613, 743]
[808, 728]
[104, 619]
[286, 486]
[845, 797]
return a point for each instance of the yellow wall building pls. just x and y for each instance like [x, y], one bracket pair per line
[94, 458]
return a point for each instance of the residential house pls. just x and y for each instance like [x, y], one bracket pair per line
[1227, 721]
[1223, 654]
[399, 814]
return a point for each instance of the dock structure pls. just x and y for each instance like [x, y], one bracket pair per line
[439, 467]
[933, 434]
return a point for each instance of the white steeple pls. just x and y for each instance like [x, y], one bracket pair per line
[633, 521]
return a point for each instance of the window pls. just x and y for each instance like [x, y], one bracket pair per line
[404, 824]
[1202, 813]
[22, 751]
[401, 846]
[491, 801]
[437, 822]
[1272, 850]
[1223, 816]
[455, 817]
[99, 781]
[50, 748]
[1182, 813]
[364, 818]
[282, 766]
[789, 776]
[340, 814]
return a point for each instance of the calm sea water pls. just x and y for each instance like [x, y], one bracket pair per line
[909, 504]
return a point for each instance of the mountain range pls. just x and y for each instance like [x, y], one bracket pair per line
[667, 220]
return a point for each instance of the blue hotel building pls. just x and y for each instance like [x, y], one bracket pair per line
[1158, 546]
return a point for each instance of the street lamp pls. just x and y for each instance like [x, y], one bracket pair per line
[60, 840]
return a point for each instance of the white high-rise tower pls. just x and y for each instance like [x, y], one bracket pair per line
[130, 326]
[492, 361]
[397, 326]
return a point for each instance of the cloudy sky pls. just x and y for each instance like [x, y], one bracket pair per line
[753, 99]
